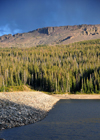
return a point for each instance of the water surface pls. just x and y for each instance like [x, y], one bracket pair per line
[68, 120]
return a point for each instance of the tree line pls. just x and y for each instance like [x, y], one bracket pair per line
[61, 68]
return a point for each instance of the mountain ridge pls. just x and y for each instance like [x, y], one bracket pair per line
[51, 36]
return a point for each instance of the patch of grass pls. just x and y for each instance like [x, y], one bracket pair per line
[58, 92]
[84, 93]
[15, 88]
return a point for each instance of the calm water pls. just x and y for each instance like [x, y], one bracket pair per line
[68, 120]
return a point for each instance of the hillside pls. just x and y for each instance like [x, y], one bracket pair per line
[51, 36]
[57, 69]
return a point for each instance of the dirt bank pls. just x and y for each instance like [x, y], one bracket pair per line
[77, 96]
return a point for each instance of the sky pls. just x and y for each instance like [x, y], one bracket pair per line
[18, 16]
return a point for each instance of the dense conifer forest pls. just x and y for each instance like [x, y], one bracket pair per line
[62, 68]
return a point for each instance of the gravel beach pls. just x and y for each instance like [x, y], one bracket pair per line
[22, 108]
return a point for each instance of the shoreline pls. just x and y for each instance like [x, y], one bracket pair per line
[77, 96]
[22, 108]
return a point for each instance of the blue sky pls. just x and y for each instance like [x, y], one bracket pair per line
[18, 16]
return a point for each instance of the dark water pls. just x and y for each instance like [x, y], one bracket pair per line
[68, 120]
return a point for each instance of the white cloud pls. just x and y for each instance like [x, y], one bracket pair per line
[16, 31]
[7, 30]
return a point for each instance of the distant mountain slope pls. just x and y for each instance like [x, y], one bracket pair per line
[51, 36]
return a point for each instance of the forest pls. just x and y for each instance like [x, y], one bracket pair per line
[57, 69]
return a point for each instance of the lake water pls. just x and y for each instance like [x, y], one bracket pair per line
[68, 120]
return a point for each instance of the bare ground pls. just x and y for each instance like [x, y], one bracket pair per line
[77, 96]
[22, 108]
[38, 100]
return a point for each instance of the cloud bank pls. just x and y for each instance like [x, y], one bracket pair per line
[7, 30]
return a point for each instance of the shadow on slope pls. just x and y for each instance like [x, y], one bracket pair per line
[15, 114]
[65, 39]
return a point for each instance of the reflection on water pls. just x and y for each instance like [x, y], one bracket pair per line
[68, 120]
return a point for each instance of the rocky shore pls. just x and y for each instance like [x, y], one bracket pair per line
[22, 108]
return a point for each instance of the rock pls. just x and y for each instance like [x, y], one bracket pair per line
[47, 30]
[14, 114]
[4, 37]
[12, 107]
[0, 126]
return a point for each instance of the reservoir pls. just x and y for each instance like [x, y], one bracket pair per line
[68, 120]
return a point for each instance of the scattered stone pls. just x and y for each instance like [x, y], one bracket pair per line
[29, 109]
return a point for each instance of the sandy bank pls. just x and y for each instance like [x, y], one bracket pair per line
[77, 96]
